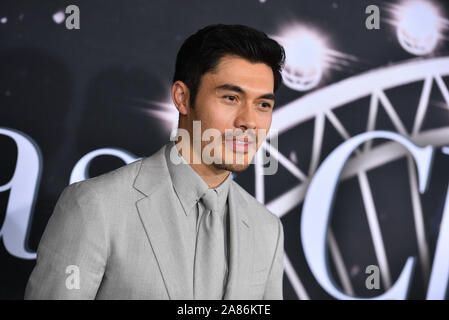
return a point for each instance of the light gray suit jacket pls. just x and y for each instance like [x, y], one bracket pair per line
[120, 231]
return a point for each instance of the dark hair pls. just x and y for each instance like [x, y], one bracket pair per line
[202, 51]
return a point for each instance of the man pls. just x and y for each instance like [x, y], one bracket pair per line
[175, 225]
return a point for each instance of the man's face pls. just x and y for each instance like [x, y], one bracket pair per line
[237, 97]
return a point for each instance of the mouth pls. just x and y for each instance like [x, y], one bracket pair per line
[240, 144]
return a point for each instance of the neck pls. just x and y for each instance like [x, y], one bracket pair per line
[210, 174]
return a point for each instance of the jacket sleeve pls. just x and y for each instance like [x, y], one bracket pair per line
[72, 252]
[273, 289]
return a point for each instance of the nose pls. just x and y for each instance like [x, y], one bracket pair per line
[246, 118]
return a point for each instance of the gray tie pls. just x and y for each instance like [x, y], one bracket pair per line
[209, 254]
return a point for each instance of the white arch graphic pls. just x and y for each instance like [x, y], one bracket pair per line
[319, 105]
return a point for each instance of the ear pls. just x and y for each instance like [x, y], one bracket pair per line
[181, 97]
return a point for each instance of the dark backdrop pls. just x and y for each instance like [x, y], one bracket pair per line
[75, 91]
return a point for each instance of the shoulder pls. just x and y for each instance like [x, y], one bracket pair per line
[257, 211]
[266, 227]
[121, 181]
[113, 180]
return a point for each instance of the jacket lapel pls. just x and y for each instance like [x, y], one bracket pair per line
[241, 245]
[157, 212]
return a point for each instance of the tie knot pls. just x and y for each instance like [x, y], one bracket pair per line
[210, 200]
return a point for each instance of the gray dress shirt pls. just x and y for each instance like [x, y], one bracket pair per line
[189, 188]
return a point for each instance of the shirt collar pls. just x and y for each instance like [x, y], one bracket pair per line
[189, 186]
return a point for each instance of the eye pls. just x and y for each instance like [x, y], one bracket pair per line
[265, 105]
[230, 98]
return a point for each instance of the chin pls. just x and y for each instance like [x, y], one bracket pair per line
[232, 167]
[236, 165]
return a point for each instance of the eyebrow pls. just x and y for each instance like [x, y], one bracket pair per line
[232, 87]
